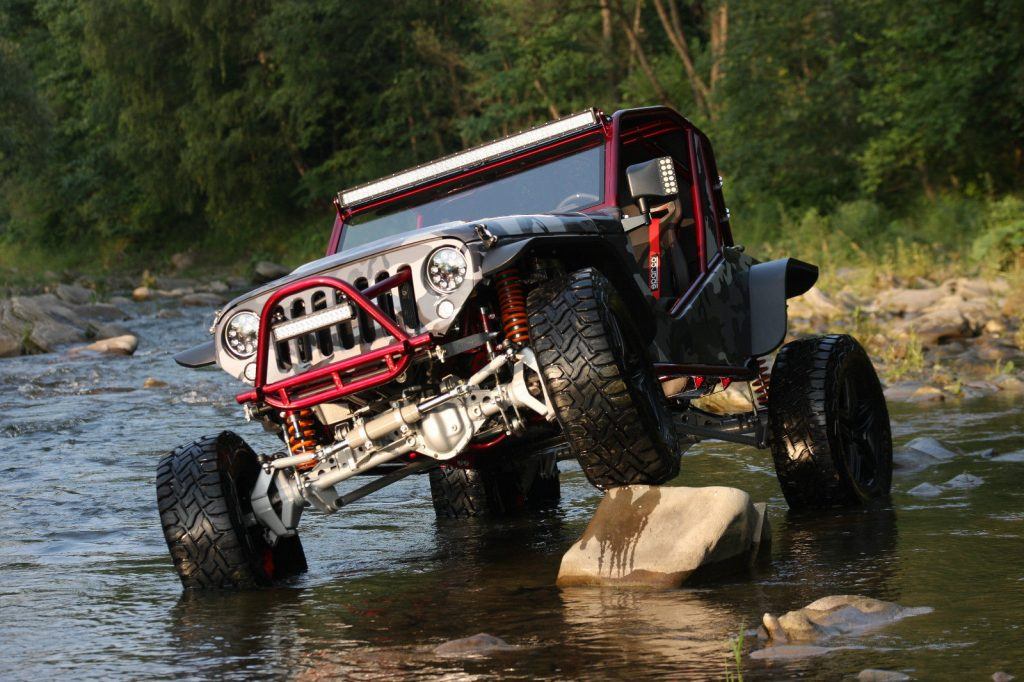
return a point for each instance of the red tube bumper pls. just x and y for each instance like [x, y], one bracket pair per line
[344, 377]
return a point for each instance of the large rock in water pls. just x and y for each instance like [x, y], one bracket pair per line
[652, 536]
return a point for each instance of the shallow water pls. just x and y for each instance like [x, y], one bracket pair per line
[87, 588]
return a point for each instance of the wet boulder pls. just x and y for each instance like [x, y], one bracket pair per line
[74, 294]
[907, 301]
[832, 616]
[208, 299]
[922, 453]
[118, 345]
[813, 304]
[936, 326]
[266, 271]
[476, 645]
[653, 536]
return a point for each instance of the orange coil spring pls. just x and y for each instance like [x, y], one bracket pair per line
[760, 384]
[512, 304]
[300, 426]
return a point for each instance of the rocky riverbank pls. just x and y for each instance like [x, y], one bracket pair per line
[98, 311]
[955, 339]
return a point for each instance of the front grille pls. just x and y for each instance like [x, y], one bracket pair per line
[346, 339]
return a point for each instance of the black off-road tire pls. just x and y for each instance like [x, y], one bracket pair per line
[830, 434]
[607, 400]
[499, 487]
[203, 497]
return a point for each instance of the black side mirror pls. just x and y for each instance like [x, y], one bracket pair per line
[654, 179]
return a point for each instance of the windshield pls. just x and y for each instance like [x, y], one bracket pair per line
[570, 183]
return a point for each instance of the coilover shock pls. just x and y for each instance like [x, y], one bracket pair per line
[760, 384]
[300, 426]
[512, 306]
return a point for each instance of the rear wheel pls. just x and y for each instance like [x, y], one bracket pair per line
[203, 493]
[831, 439]
[607, 400]
[495, 486]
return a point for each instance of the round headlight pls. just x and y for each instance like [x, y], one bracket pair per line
[241, 333]
[446, 269]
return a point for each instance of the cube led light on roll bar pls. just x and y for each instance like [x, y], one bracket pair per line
[472, 157]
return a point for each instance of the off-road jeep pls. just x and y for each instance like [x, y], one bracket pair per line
[567, 292]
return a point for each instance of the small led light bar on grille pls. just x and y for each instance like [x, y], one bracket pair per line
[310, 323]
[472, 157]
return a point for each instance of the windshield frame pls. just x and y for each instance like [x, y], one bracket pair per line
[490, 172]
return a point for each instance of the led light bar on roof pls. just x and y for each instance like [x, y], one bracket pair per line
[471, 157]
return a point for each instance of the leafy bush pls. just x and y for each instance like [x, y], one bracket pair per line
[1001, 245]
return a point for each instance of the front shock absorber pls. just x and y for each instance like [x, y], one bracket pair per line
[512, 306]
[760, 384]
[300, 427]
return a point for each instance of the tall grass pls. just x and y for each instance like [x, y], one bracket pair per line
[864, 245]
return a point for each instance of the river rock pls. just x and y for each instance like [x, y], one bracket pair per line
[142, 293]
[1009, 383]
[812, 304]
[118, 345]
[963, 482]
[10, 344]
[266, 271]
[46, 335]
[936, 326]
[925, 490]
[476, 645]
[1002, 677]
[835, 615]
[73, 293]
[875, 675]
[216, 286]
[209, 300]
[181, 261]
[902, 301]
[102, 312]
[922, 453]
[150, 382]
[1013, 457]
[735, 398]
[653, 536]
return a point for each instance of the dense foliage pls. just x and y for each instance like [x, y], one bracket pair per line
[133, 125]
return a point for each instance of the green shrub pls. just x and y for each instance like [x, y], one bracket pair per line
[1001, 245]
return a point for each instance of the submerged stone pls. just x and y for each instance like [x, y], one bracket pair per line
[925, 490]
[475, 645]
[835, 615]
[922, 453]
[652, 536]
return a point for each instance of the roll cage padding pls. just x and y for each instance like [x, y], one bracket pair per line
[770, 284]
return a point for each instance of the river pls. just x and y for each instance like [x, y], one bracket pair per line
[87, 588]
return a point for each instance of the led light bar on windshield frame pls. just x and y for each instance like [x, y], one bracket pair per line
[473, 157]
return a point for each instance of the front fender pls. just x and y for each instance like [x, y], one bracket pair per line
[203, 355]
[770, 285]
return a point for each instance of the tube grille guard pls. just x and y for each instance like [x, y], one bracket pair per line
[346, 376]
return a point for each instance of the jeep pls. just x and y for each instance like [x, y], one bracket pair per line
[569, 292]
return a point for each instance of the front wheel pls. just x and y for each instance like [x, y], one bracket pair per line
[606, 398]
[831, 439]
[203, 493]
